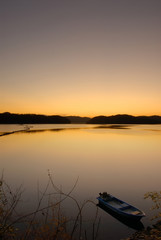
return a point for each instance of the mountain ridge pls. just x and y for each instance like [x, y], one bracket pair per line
[125, 119]
[15, 118]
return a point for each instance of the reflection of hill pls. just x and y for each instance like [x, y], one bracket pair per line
[32, 131]
[125, 119]
[115, 126]
[9, 118]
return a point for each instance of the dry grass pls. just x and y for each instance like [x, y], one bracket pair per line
[47, 222]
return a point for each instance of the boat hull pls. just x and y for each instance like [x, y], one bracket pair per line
[122, 208]
[132, 223]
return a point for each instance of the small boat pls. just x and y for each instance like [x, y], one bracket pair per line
[120, 207]
[136, 225]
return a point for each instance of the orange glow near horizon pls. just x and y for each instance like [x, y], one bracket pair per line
[80, 58]
[86, 104]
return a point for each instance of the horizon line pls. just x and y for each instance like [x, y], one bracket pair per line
[72, 115]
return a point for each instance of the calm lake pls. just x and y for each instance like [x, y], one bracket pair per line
[124, 161]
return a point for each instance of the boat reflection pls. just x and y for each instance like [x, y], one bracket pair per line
[137, 225]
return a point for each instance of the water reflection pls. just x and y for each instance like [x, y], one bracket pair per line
[27, 129]
[114, 126]
[136, 225]
[125, 162]
[37, 131]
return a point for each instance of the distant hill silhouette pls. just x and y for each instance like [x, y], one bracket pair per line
[125, 119]
[10, 118]
[77, 119]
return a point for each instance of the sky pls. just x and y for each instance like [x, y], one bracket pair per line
[80, 57]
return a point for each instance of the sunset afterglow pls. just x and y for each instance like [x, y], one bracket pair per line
[82, 58]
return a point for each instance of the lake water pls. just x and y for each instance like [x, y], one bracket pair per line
[125, 162]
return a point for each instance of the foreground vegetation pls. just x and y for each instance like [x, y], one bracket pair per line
[48, 222]
[152, 232]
